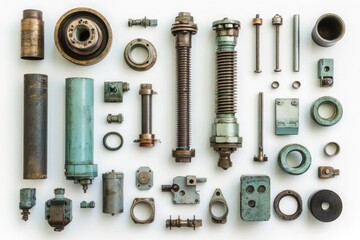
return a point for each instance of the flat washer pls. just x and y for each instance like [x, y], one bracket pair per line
[277, 209]
[113, 148]
[305, 161]
[150, 49]
[275, 84]
[335, 118]
[296, 84]
[317, 200]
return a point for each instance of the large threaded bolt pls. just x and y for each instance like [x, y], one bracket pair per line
[225, 138]
[183, 28]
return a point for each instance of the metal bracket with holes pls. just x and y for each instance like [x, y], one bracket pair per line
[326, 72]
[286, 116]
[218, 199]
[144, 178]
[255, 198]
[184, 189]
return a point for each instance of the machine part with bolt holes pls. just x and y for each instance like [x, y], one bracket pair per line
[85, 204]
[184, 189]
[277, 21]
[113, 91]
[119, 118]
[148, 202]
[144, 178]
[145, 22]
[225, 137]
[113, 192]
[325, 172]
[326, 72]
[27, 201]
[79, 151]
[32, 35]
[218, 199]
[296, 85]
[257, 22]
[261, 157]
[58, 210]
[150, 50]
[296, 43]
[107, 146]
[183, 29]
[275, 85]
[336, 116]
[179, 223]
[316, 205]
[255, 198]
[305, 159]
[83, 36]
[286, 116]
[328, 29]
[146, 138]
[278, 211]
[35, 126]
[329, 146]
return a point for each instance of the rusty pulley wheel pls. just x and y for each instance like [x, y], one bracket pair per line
[83, 36]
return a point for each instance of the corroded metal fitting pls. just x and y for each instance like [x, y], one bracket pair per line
[150, 203]
[145, 22]
[27, 201]
[83, 36]
[119, 118]
[257, 20]
[277, 20]
[32, 35]
[184, 22]
[58, 210]
[193, 223]
[328, 30]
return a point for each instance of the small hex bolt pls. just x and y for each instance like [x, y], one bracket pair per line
[115, 118]
[277, 21]
[142, 22]
[257, 22]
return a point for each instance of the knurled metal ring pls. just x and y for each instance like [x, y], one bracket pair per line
[277, 209]
[327, 149]
[149, 48]
[147, 201]
[335, 118]
[116, 147]
[305, 161]
[275, 84]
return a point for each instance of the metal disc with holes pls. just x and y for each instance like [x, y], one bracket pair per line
[279, 197]
[149, 60]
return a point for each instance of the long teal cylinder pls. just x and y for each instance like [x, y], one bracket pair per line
[79, 145]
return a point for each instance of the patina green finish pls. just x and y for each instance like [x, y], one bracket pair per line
[27, 201]
[326, 72]
[113, 91]
[58, 210]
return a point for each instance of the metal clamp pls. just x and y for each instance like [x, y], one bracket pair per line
[116, 147]
[218, 199]
[305, 161]
[278, 211]
[147, 201]
[335, 118]
[151, 52]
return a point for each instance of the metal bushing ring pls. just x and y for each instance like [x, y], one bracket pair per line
[335, 118]
[147, 201]
[83, 36]
[151, 54]
[329, 146]
[275, 84]
[305, 161]
[219, 219]
[112, 148]
[332, 210]
[296, 84]
[278, 211]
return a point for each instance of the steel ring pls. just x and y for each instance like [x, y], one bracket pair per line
[275, 84]
[223, 217]
[148, 62]
[329, 146]
[112, 148]
[305, 161]
[335, 118]
[147, 201]
[296, 84]
[278, 211]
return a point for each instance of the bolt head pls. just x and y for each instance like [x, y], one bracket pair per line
[184, 17]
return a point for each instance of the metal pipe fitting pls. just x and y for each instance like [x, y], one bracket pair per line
[58, 210]
[183, 28]
[328, 29]
[225, 129]
[35, 126]
[145, 22]
[79, 145]
[113, 192]
[146, 138]
[27, 201]
[179, 223]
[32, 35]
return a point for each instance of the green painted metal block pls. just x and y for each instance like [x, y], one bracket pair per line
[286, 116]
[326, 72]
[113, 91]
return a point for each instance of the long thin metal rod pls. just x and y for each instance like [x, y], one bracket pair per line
[261, 157]
[296, 43]
[277, 53]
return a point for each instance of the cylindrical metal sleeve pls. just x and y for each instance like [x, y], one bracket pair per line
[32, 35]
[35, 126]
[79, 121]
[113, 196]
[146, 113]
[328, 29]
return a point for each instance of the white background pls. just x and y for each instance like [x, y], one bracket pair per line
[92, 223]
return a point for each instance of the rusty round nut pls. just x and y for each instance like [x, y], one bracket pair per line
[150, 50]
[83, 36]
[148, 202]
[278, 211]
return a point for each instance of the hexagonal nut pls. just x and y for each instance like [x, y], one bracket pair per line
[184, 17]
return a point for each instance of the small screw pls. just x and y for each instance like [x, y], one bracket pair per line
[142, 22]
[277, 22]
[257, 22]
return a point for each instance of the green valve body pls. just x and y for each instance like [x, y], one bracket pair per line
[79, 165]
[27, 201]
[58, 210]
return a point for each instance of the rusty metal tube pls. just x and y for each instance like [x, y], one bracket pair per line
[32, 35]
[35, 126]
